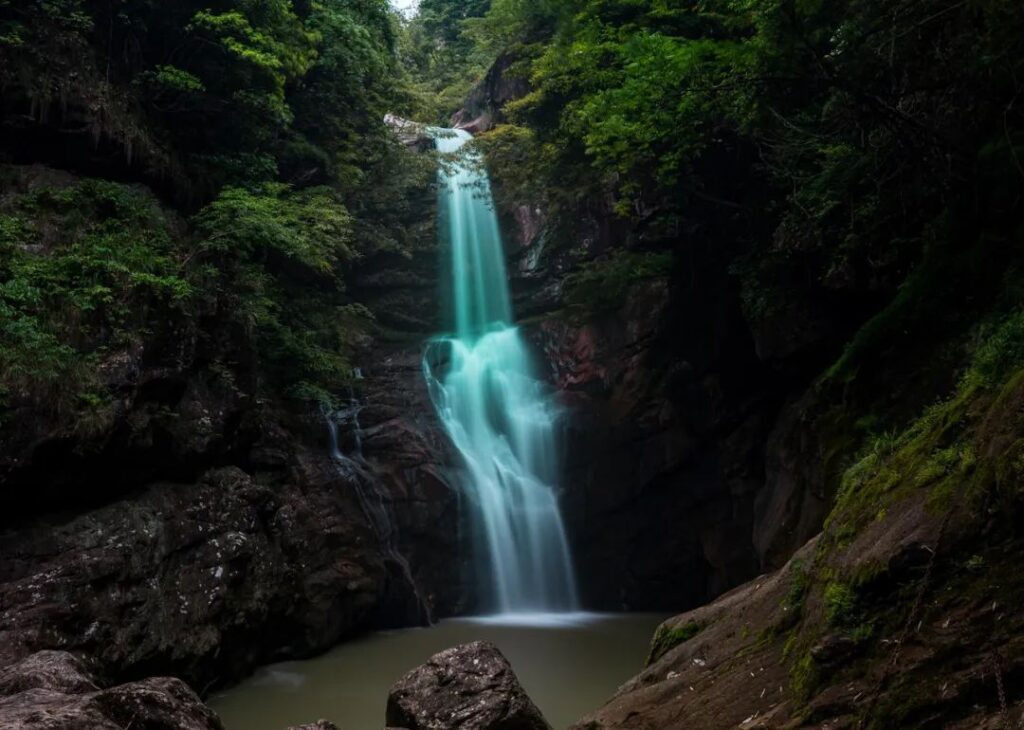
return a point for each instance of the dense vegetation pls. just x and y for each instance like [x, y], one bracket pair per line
[258, 126]
[866, 132]
[442, 63]
[852, 175]
[191, 187]
[835, 160]
[849, 168]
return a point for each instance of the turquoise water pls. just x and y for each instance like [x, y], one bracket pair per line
[496, 411]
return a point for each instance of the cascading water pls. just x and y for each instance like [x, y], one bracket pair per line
[496, 412]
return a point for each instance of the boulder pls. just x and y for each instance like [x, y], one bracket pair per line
[53, 690]
[58, 671]
[469, 687]
[183, 579]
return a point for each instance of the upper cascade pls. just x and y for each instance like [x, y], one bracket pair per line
[478, 276]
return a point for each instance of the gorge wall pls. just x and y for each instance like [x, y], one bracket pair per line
[201, 529]
[681, 480]
[203, 267]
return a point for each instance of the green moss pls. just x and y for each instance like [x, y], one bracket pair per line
[1001, 350]
[840, 604]
[799, 582]
[931, 453]
[666, 639]
[804, 676]
[792, 606]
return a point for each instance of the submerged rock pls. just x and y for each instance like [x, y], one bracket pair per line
[469, 687]
[53, 690]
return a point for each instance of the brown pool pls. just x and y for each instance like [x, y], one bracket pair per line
[568, 663]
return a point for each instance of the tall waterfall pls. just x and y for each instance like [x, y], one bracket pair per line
[496, 412]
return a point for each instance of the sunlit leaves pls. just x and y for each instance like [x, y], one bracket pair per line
[309, 226]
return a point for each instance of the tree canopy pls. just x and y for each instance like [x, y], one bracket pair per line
[257, 122]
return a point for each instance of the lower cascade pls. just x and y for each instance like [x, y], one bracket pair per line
[497, 413]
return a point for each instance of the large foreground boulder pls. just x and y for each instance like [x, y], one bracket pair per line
[184, 579]
[53, 690]
[470, 687]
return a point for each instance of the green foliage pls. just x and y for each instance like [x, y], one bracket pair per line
[799, 583]
[509, 23]
[172, 80]
[1001, 351]
[443, 19]
[277, 258]
[441, 63]
[83, 269]
[341, 103]
[262, 121]
[856, 172]
[207, 93]
[632, 128]
[310, 227]
[840, 604]
[517, 165]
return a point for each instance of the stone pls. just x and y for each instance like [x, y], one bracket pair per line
[51, 670]
[469, 687]
[53, 690]
[182, 578]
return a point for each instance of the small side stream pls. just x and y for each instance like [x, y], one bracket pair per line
[569, 664]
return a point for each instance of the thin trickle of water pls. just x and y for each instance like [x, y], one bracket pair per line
[496, 411]
[375, 508]
[352, 466]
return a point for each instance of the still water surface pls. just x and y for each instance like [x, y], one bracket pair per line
[569, 664]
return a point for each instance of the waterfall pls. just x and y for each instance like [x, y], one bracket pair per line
[497, 413]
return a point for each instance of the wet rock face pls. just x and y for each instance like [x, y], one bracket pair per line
[410, 456]
[469, 687]
[661, 468]
[139, 545]
[204, 580]
[165, 424]
[201, 531]
[54, 690]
